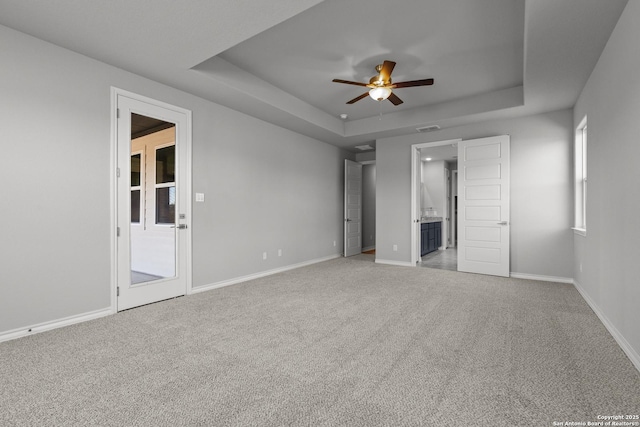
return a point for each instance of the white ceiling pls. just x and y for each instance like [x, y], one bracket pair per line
[447, 152]
[275, 60]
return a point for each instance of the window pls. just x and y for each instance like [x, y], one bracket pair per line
[136, 187]
[165, 185]
[580, 154]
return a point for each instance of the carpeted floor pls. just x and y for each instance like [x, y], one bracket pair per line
[341, 343]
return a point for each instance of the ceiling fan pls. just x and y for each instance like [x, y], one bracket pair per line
[381, 85]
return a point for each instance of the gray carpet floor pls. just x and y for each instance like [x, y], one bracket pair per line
[341, 343]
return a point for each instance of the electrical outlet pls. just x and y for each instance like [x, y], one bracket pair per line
[334, 243]
[580, 267]
[279, 252]
[395, 248]
[264, 256]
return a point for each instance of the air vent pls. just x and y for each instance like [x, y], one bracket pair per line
[428, 128]
[364, 147]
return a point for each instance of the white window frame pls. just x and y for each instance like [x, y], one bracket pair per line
[161, 185]
[580, 179]
[140, 187]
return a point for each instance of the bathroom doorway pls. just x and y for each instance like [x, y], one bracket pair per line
[435, 204]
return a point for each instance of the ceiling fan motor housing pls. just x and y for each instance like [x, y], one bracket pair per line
[376, 80]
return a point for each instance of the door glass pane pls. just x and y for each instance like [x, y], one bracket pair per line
[153, 200]
[165, 164]
[135, 206]
[135, 170]
[166, 205]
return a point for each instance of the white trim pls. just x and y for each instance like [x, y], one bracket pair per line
[242, 279]
[398, 263]
[631, 353]
[55, 324]
[579, 231]
[541, 278]
[113, 202]
[580, 176]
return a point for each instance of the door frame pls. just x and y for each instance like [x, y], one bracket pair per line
[347, 218]
[415, 194]
[452, 209]
[113, 195]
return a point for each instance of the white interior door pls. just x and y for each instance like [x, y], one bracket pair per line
[483, 206]
[152, 202]
[352, 208]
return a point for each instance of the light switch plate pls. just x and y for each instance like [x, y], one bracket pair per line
[199, 197]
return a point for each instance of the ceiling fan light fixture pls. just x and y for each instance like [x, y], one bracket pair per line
[380, 93]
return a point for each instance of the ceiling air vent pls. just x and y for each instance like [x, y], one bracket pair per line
[428, 128]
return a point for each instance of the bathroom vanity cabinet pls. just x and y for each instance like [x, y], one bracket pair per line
[430, 236]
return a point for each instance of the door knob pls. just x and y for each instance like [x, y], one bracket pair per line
[503, 223]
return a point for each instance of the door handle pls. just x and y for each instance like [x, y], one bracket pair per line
[347, 220]
[180, 226]
[503, 223]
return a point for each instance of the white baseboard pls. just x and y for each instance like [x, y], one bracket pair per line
[237, 280]
[541, 278]
[399, 263]
[54, 324]
[631, 353]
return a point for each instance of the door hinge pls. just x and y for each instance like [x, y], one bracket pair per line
[118, 231]
[118, 172]
[118, 291]
[117, 113]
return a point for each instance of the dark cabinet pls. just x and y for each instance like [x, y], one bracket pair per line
[424, 238]
[430, 237]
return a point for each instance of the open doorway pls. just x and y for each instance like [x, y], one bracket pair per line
[434, 189]
[438, 201]
[360, 208]
[483, 228]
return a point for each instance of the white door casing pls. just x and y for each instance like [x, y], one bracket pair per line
[416, 211]
[352, 208]
[445, 207]
[128, 295]
[452, 209]
[483, 206]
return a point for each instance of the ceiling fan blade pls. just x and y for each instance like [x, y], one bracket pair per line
[354, 100]
[385, 71]
[412, 83]
[394, 99]
[349, 82]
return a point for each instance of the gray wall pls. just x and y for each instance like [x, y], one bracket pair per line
[541, 191]
[266, 188]
[610, 251]
[368, 206]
